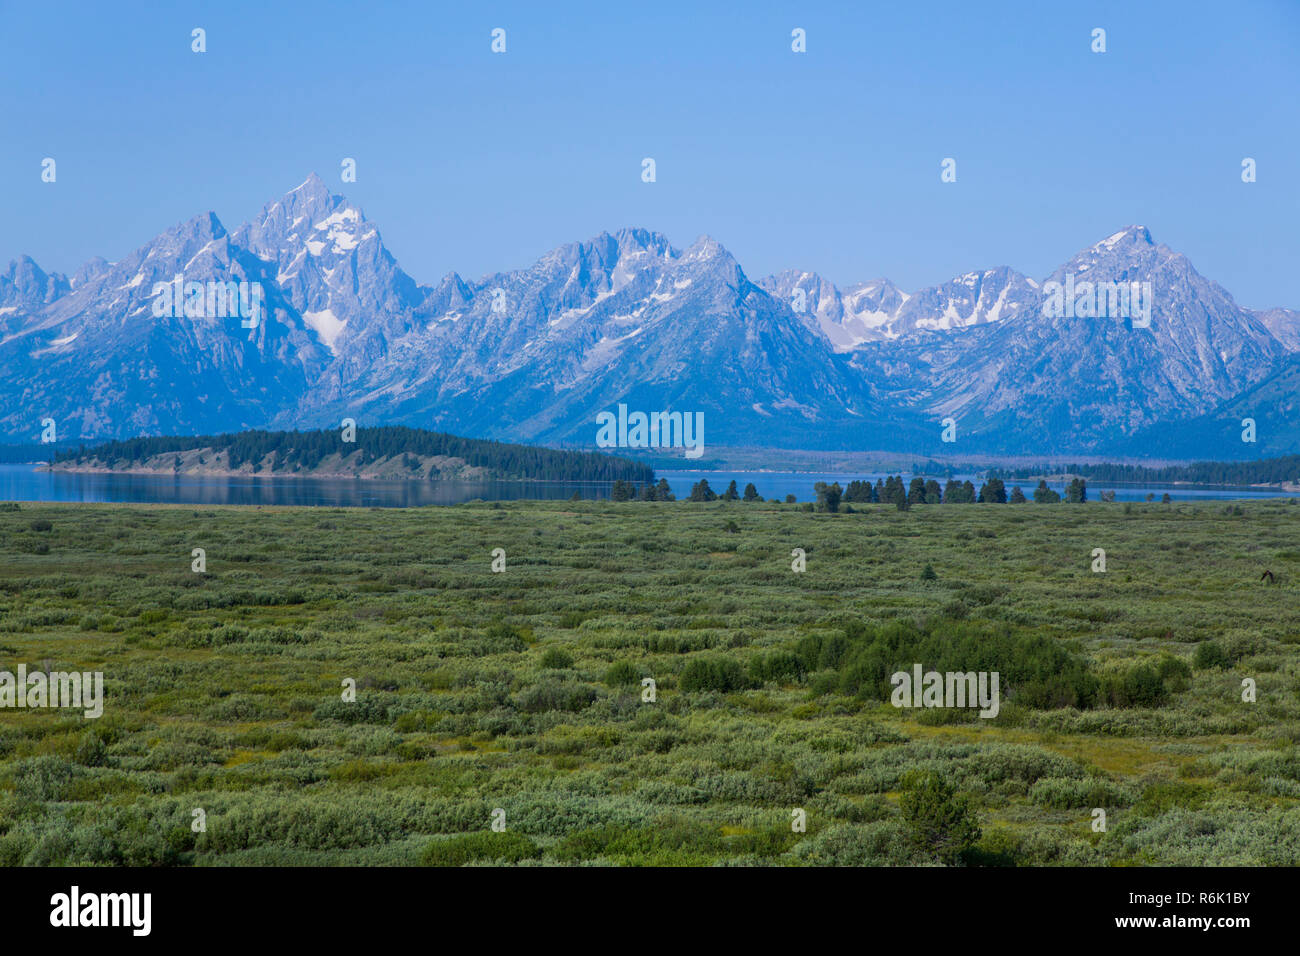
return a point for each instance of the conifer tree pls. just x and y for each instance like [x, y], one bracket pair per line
[916, 492]
[700, 491]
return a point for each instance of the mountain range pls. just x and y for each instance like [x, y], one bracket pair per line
[787, 361]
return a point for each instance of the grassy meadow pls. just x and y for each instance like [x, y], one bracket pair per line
[521, 691]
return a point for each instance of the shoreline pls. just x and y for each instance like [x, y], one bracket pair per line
[324, 475]
[469, 476]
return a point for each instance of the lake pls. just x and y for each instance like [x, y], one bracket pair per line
[27, 483]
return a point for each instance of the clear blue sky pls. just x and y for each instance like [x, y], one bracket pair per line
[827, 160]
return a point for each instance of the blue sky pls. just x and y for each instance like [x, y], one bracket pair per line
[827, 160]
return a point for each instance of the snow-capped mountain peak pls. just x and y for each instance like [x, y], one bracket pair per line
[879, 311]
[1128, 236]
[531, 354]
[331, 264]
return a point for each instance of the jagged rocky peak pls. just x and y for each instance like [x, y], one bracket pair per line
[1128, 237]
[90, 269]
[205, 226]
[1131, 247]
[705, 247]
[25, 285]
[288, 222]
[196, 246]
[706, 257]
[526, 354]
[632, 241]
[606, 251]
[311, 199]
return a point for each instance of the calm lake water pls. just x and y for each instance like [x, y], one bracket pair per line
[27, 483]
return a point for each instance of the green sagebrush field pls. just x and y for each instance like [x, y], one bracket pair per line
[521, 691]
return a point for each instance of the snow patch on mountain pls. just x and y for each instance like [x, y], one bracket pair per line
[326, 324]
[347, 332]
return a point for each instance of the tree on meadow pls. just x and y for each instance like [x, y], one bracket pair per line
[1044, 495]
[828, 496]
[894, 490]
[941, 821]
[916, 492]
[859, 492]
[700, 491]
[993, 491]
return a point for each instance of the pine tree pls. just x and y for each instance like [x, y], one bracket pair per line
[751, 493]
[859, 492]
[916, 492]
[700, 491]
[993, 491]
[939, 820]
[828, 496]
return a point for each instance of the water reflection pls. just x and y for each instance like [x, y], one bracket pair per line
[28, 483]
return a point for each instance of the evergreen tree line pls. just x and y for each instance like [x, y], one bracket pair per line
[306, 450]
[627, 491]
[923, 491]
[700, 491]
[891, 490]
[1265, 471]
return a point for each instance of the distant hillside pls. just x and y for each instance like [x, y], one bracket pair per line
[388, 452]
[1267, 471]
[1273, 405]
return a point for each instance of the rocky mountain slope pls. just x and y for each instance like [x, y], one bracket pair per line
[533, 355]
